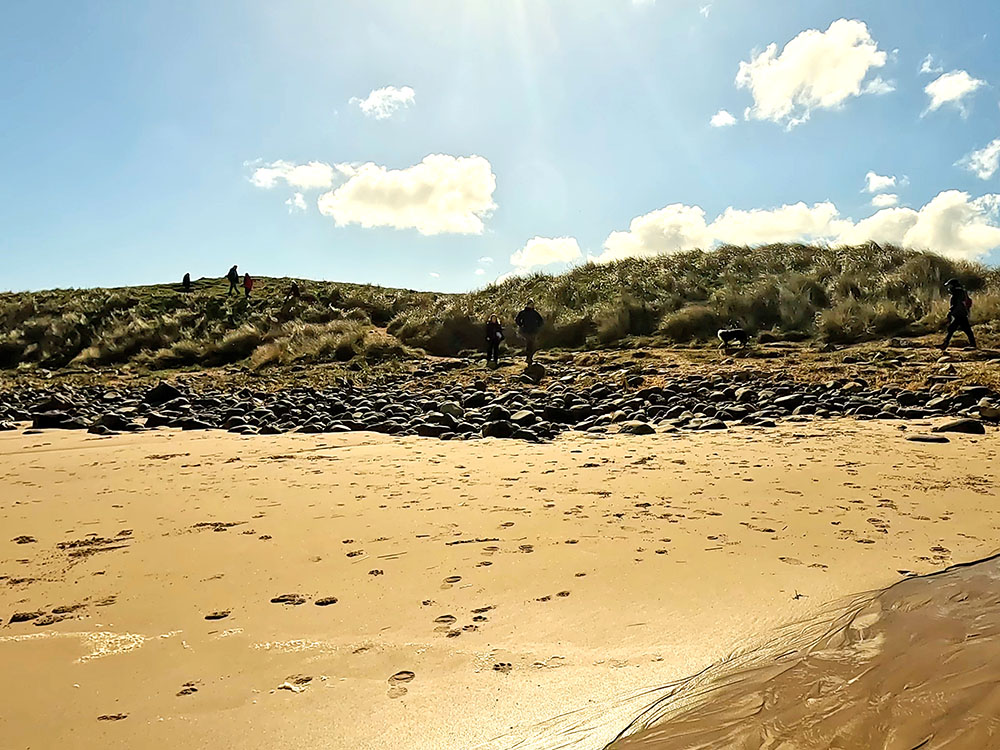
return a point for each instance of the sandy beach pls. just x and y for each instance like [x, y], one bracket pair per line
[184, 589]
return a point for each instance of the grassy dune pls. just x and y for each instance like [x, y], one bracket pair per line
[839, 295]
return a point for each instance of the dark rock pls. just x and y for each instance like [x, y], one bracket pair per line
[635, 427]
[161, 394]
[498, 429]
[48, 420]
[923, 438]
[524, 418]
[534, 372]
[967, 426]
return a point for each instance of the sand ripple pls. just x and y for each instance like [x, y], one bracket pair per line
[915, 665]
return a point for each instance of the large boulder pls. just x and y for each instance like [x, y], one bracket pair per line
[161, 394]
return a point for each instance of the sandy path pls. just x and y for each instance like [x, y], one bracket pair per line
[607, 566]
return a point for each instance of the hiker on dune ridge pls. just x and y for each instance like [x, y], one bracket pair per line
[234, 281]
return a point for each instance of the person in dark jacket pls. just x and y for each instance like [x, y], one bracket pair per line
[494, 335]
[234, 281]
[529, 323]
[186, 283]
[958, 313]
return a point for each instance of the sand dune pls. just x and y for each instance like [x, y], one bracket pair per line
[360, 591]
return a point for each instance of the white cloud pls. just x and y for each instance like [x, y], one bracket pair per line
[441, 195]
[643, 3]
[888, 226]
[928, 66]
[790, 223]
[984, 162]
[951, 88]
[875, 183]
[885, 200]
[543, 251]
[951, 223]
[815, 70]
[878, 87]
[480, 272]
[296, 203]
[722, 119]
[671, 229]
[311, 176]
[385, 102]
[486, 260]
[434, 275]
[705, 10]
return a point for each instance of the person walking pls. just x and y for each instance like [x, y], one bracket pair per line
[958, 313]
[186, 282]
[247, 285]
[529, 323]
[234, 281]
[494, 335]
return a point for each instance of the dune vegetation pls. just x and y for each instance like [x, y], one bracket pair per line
[778, 292]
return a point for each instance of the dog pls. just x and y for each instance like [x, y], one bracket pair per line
[730, 335]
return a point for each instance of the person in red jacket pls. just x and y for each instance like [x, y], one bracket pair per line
[247, 285]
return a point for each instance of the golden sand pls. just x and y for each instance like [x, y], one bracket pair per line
[489, 594]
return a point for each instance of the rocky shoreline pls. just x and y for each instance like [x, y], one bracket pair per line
[536, 408]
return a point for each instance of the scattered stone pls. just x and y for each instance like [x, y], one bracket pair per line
[923, 438]
[635, 427]
[967, 426]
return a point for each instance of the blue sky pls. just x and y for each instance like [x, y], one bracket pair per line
[134, 134]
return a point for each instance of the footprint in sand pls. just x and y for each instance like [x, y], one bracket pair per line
[527, 548]
[579, 575]
[790, 560]
[355, 553]
[187, 689]
[24, 539]
[112, 717]
[220, 615]
[544, 599]
[453, 579]
[445, 619]
[326, 601]
[503, 667]
[376, 572]
[290, 599]
[396, 689]
[479, 618]
[563, 594]
[484, 564]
